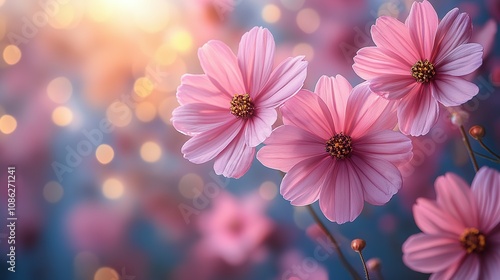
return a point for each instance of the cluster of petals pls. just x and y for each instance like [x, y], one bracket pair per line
[421, 63]
[460, 236]
[367, 171]
[206, 100]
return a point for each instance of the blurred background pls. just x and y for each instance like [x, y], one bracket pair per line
[87, 89]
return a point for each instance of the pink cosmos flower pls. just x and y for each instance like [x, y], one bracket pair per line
[461, 230]
[338, 147]
[230, 109]
[420, 63]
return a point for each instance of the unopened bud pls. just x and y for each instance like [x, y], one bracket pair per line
[358, 244]
[373, 264]
[477, 132]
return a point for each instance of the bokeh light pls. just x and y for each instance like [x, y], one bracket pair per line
[143, 87]
[304, 49]
[181, 40]
[8, 124]
[11, 54]
[112, 188]
[308, 20]
[119, 114]
[271, 13]
[62, 116]
[150, 151]
[191, 185]
[53, 192]
[60, 90]
[145, 111]
[104, 153]
[106, 273]
[268, 190]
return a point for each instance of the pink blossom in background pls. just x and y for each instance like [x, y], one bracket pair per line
[235, 228]
[230, 109]
[338, 147]
[420, 63]
[461, 229]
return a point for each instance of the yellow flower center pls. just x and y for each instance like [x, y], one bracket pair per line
[242, 106]
[339, 146]
[473, 240]
[423, 71]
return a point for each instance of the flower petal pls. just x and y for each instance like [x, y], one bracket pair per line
[418, 112]
[422, 23]
[341, 198]
[206, 145]
[386, 145]
[393, 87]
[334, 91]
[431, 253]
[371, 62]
[255, 58]
[303, 183]
[367, 111]
[287, 146]
[431, 219]
[461, 61]
[380, 179]
[455, 197]
[285, 81]
[469, 269]
[221, 67]
[307, 110]
[259, 126]
[489, 266]
[390, 34]
[199, 89]
[454, 30]
[453, 91]
[235, 160]
[193, 118]
[486, 189]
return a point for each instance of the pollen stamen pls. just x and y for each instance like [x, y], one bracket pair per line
[242, 106]
[473, 240]
[339, 146]
[423, 71]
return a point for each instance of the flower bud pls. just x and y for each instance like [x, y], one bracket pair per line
[373, 264]
[358, 244]
[477, 132]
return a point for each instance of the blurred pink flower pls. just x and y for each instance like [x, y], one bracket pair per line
[234, 229]
[461, 230]
[421, 63]
[230, 109]
[362, 151]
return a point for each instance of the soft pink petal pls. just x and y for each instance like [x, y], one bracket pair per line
[418, 112]
[371, 62]
[431, 219]
[259, 126]
[255, 58]
[221, 67]
[454, 30]
[379, 179]
[453, 91]
[393, 87]
[206, 145]
[367, 111]
[486, 189]
[390, 34]
[307, 110]
[386, 145]
[199, 89]
[447, 273]
[455, 197]
[485, 36]
[469, 269]
[431, 253]
[341, 198]
[334, 91]
[489, 266]
[463, 60]
[422, 23]
[194, 118]
[303, 183]
[285, 81]
[288, 145]
[235, 160]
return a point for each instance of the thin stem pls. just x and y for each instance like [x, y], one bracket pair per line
[486, 157]
[367, 276]
[488, 149]
[342, 258]
[469, 148]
